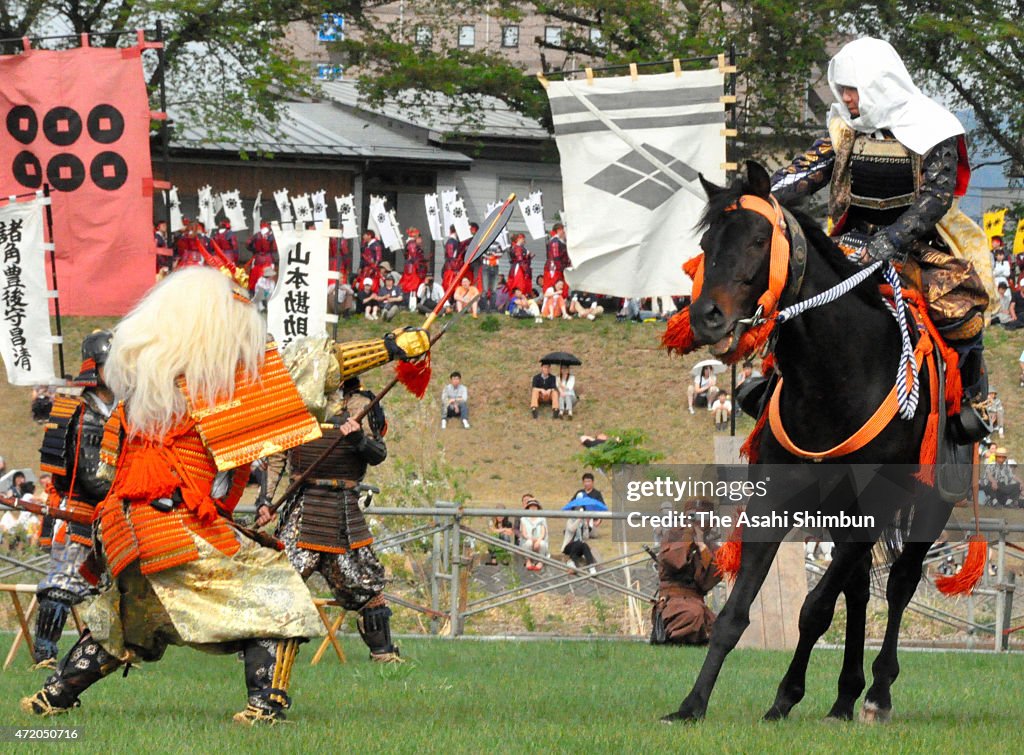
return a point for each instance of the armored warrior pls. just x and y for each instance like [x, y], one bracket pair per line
[263, 246]
[200, 402]
[896, 162]
[321, 524]
[71, 453]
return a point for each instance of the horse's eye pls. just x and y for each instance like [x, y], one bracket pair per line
[761, 240]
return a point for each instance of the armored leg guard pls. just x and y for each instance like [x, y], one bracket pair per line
[268, 672]
[53, 614]
[85, 665]
[374, 625]
[971, 425]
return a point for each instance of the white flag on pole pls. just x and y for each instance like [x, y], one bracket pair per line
[460, 218]
[206, 207]
[257, 211]
[175, 207]
[532, 208]
[630, 153]
[303, 209]
[396, 231]
[26, 343]
[347, 221]
[502, 242]
[233, 209]
[298, 306]
[433, 217]
[284, 209]
[447, 197]
[319, 206]
[381, 223]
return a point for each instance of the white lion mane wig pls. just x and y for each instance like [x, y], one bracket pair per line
[190, 324]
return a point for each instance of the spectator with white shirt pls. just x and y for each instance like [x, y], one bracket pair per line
[455, 401]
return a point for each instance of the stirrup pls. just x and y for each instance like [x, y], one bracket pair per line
[969, 426]
[253, 716]
[390, 657]
[47, 664]
[39, 705]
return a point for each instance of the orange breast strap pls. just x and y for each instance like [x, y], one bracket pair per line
[884, 414]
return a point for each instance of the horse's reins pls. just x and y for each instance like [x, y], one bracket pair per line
[901, 400]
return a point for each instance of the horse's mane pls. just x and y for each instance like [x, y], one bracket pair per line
[720, 201]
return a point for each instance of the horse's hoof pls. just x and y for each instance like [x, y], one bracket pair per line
[839, 716]
[775, 713]
[681, 717]
[870, 713]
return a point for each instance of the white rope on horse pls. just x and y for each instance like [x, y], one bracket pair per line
[907, 399]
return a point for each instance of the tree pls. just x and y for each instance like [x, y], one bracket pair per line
[605, 31]
[969, 50]
[226, 64]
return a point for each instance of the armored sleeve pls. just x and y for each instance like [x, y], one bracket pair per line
[373, 450]
[807, 173]
[84, 438]
[938, 183]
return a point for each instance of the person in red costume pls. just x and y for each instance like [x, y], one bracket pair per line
[264, 253]
[227, 241]
[453, 258]
[415, 270]
[372, 254]
[520, 273]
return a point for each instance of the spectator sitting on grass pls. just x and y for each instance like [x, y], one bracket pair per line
[455, 401]
[501, 296]
[533, 534]
[994, 410]
[723, 410]
[264, 287]
[588, 488]
[1006, 314]
[1001, 486]
[544, 389]
[42, 403]
[523, 306]
[428, 295]
[566, 384]
[703, 391]
[465, 293]
[585, 305]
[504, 530]
[574, 542]
[554, 302]
[391, 298]
[367, 301]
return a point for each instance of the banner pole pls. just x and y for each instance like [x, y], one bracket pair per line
[53, 278]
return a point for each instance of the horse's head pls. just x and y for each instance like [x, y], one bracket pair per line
[737, 252]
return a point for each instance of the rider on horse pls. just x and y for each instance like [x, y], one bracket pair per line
[896, 161]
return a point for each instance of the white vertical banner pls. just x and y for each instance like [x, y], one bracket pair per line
[218, 205]
[460, 219]
[175, 207]
[380, 221]
[347, 222]
[631, 151]
[502, 242]
[26, 343]
[298, 306]
[284, 209]
[532, 208]
[319, 200]
[206, 213]
[396, 230]
[257, 211]
[433, 217]
[447, 197]
[303, 209]
[233, 210]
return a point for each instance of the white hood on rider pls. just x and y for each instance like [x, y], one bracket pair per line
[889, 100]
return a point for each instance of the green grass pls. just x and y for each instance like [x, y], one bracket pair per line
[478, 697]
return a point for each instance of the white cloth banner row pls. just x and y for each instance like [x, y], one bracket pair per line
[26, 343]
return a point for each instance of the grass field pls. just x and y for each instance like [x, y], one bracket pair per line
[479, 697]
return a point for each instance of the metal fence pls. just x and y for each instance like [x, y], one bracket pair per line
[450, 536]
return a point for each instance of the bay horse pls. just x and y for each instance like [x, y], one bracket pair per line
[839, 362]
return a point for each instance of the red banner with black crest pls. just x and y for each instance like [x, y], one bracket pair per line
[79, 121]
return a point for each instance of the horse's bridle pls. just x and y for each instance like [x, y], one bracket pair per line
[787, 265]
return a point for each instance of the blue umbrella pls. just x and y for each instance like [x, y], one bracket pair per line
[588, 504]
